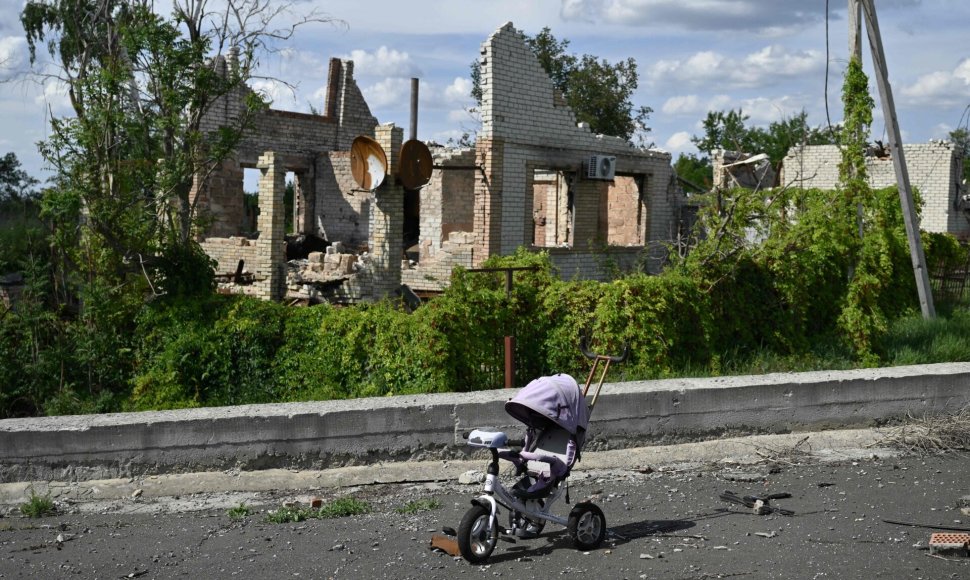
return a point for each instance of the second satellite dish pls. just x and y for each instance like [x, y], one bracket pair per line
[368, 163]
[416, 164]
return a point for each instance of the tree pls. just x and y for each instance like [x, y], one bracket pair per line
[15, 184]
[694, 171]
[598, 92]
[121, 218]
[140, 86]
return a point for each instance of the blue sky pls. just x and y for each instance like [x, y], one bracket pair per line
[765, 56]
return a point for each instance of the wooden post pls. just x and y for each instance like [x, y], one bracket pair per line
[899, 161]
[855, 30]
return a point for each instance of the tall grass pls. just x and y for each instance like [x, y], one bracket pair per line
[912, 340]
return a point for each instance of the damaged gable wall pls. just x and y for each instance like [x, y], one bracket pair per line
[528, 131]
[935, 169]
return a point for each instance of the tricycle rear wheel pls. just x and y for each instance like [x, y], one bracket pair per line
[587, 526]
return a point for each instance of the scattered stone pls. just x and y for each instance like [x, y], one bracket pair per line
[137, 493]
[338, 548]
[471, 477]
[771, 534]
[646, 557]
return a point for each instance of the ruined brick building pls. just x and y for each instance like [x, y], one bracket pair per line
[535, 178]
[935, 170]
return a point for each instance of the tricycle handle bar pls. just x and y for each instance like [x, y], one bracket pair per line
[584, 347]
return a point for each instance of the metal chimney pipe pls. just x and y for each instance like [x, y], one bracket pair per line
[414, 109]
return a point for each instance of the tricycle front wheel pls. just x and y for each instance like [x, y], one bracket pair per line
[475, 540]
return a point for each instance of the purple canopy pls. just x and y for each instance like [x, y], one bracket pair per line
[557, 399]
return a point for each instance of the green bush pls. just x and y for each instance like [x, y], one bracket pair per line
[369, 350]
[208, 350]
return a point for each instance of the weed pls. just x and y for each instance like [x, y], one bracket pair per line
[419, 505]
[37, 506]
[343, 507]
[339, 508]
[288, 515]
[240, 512]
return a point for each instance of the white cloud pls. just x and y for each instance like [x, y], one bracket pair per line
[12, 55]
[760, 68]
[679, 142]
[681, 105]
[763, 110]
[759, 16]
[685, 105]
[383, 62]
[459, 91]
[941, 88]
[55, 96]
[388, 92]
[282, 96]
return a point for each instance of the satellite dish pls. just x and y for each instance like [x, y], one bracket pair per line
[416, 164]
[368, 163]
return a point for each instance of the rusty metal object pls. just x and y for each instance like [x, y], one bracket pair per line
[368, 163]
[416, 164]
[445, 544]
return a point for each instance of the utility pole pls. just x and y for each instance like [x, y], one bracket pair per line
[855, 52]
[855, 30]
[899, 160]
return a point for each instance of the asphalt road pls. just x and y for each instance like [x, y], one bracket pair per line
[667, 523]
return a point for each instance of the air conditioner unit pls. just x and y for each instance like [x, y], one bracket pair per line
[601, 167]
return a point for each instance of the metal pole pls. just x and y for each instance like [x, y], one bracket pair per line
[414, 109]
[899, 161]
[509, 340]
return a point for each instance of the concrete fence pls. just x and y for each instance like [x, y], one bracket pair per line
[326, 434]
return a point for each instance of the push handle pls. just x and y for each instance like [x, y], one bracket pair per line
[597, 359]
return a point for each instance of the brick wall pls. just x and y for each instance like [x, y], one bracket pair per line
[302, 143]
[623, 214]
[935, 169]
[447, 201]
[264, 257]
[386, 238]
